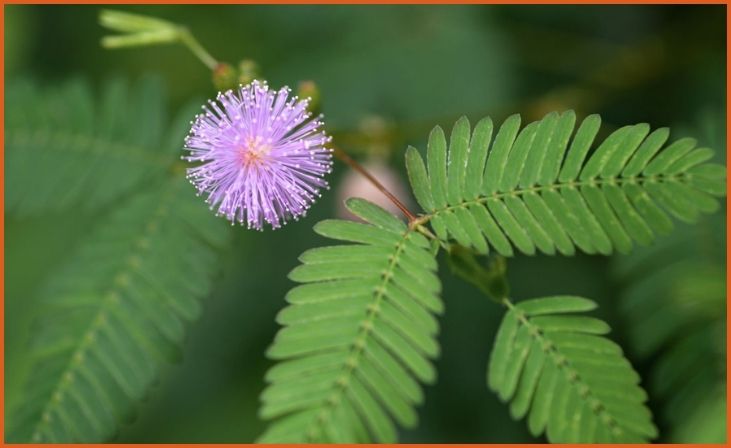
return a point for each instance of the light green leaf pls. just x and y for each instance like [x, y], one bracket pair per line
[436, 159]
[540, 147]
[479, 146]
[545, 362]
[580, 148]
[535, 199]
[359, 335]
[498, 155]
[458, 152]
[419, 178]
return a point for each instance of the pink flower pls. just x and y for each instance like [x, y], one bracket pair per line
[262, 158]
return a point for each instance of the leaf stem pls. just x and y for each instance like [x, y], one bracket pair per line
[574, 184]
[345, 158]
[187, 38]
[426, 232]
[491, 280]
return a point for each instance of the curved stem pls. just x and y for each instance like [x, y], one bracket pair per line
[187, 38]
[345, 158]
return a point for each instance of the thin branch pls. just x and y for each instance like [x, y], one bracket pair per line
[187, 38]
[345, 158]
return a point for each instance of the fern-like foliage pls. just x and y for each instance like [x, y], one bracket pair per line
[537, 188]
[675, 304]
[114, 312]
[558, 369]
[359, 334]
[64, 148]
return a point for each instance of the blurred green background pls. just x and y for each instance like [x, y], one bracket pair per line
[412, 67]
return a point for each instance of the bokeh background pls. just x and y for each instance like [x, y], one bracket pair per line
[387, 74]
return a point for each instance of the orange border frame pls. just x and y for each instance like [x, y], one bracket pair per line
[333, 2]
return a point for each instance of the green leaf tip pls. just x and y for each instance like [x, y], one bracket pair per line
[136, 29]
[374, 214]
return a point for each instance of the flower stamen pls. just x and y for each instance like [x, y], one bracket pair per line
[253, 152]
[262, 157]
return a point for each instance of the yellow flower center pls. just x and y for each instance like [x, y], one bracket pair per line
[253, 151]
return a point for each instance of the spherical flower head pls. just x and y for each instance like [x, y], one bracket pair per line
[262, 157]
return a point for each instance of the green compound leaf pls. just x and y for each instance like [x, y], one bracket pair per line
[359, 334]
[675, 307]
[115, 312]
[558, 370]
[537, 189]
[64, 148]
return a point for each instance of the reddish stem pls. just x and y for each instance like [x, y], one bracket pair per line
[345, 158]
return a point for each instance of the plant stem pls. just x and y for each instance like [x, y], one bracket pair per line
[424, 231]
[187, 38]
[345, 158]
[491, 280]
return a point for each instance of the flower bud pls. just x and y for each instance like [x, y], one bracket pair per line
[224, 77]
[248, 71]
